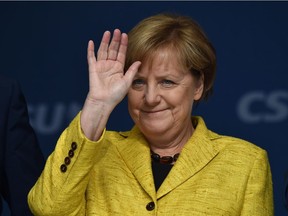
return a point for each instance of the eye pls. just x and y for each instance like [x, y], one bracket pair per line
[137, 83]
[167, 83]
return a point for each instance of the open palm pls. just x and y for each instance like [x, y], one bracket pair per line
[107, 81]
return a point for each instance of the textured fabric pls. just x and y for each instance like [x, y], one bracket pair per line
[214, 175]
[21, 159]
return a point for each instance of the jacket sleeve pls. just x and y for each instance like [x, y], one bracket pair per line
[258, 199]
[60, 190]
[23, 159]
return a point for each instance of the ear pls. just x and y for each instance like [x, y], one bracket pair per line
[199, 88]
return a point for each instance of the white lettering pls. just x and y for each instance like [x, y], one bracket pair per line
[48, 119]
[275, 102]
[273, 107]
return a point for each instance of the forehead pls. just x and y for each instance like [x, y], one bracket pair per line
[163, 60]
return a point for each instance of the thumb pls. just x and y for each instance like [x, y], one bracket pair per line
[131, 72]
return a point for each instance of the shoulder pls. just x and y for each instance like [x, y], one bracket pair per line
[238, 154]
[239, 151]
[117, 136]
[9, 87]
[130, 136]
[231, 145]
[231, 142]
[6, 81]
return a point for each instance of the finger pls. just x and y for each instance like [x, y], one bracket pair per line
[114, 45]
[91, 54]
[123, 48]
[131, 72]
[103, 48]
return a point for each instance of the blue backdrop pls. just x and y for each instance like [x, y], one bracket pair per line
[43, 45]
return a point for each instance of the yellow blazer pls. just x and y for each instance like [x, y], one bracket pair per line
[214, 175]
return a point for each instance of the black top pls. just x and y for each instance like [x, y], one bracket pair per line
[160, 172]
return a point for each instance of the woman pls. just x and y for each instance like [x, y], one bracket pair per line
[169, 163]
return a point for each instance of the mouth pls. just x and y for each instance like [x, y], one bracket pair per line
[153, 111]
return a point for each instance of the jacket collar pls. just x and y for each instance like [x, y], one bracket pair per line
[195, 155]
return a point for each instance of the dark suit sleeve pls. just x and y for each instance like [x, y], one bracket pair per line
[23, 160]
[286, 192]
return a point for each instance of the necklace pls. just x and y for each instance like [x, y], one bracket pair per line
[164, 159]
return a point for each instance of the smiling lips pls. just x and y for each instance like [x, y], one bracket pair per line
[153, 112]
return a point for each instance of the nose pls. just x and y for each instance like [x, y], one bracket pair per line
[152, 95]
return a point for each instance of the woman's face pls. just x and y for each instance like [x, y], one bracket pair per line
[161, 96]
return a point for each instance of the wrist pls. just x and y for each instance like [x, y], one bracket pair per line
[94, 117]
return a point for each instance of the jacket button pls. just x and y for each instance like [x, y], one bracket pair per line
[63, 168]
[71, 153]
[67, 161]
[150, 206]
[74, 146]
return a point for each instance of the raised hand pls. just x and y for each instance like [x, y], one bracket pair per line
[108, 84]
[107, 81]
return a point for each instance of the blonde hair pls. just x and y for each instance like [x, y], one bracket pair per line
[180, 34]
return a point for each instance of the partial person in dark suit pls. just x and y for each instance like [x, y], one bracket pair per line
[286, 192]
[21, 159]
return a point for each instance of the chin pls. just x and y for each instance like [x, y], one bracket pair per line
[149, 133]
[153, 128]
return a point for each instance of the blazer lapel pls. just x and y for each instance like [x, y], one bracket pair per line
[135, 152]
[197, 152]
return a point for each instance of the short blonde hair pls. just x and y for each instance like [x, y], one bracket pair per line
[181, 34]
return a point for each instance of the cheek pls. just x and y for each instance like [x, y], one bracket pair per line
[134, 100]
[182, 102]
[183, 97]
